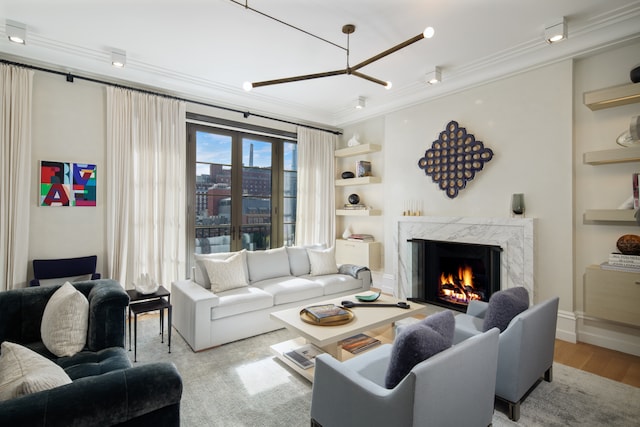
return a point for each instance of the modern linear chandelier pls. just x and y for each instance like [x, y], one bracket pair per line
[348, 30]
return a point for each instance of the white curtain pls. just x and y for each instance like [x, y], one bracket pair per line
[16, 87]
[146, 160]
[315, 214]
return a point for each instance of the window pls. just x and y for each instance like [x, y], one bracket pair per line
[243, 190]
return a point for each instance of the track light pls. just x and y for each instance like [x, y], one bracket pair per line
[16, 31]
[434, 77]
[361, 102]
[118, 58]
[555, 30]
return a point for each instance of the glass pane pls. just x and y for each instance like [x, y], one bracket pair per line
[213, 192]
[289, 212]
[289, 234]
[256, 154]
[256, 223]
[256, 171]
[256, 237]
[290, 184]
[290, 156]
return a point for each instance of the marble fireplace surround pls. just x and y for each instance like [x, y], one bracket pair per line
[513, 235]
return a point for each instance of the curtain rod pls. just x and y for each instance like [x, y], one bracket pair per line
[70, 77]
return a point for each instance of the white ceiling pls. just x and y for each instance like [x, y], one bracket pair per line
[205, 49]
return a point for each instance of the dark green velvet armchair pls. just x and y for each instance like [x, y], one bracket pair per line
[105, 390]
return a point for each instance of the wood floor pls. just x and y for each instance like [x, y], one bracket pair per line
[607, 363]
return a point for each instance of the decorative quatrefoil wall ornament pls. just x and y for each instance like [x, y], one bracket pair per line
[454, 159]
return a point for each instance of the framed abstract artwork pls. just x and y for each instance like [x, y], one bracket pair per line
[67, 184]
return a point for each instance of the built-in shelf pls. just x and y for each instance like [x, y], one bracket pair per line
[610, 215]
[615, 155]
[358, 212]
[358, 181]
[612, 96]
[358, 150]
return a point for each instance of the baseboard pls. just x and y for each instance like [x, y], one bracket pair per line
[609, 335]
[387, 284]
[566, 326]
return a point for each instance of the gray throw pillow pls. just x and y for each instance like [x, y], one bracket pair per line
[418, 342]
[504, 306]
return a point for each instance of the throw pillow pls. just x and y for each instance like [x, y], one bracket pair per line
[65, 321]
[226, 274]
[299, 259]
[201, 277]
[323, 261]
[23, 371]
[268, 264]
[504, 306]
[418, 342]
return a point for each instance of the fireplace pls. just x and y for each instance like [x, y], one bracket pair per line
[450, 274]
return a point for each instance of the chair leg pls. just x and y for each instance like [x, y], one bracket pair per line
[548, 375]
[314, 423]
[514, 411]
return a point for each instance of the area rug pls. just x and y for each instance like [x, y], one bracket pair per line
[241, 384]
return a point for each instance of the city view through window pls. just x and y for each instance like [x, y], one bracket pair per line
[245, 192]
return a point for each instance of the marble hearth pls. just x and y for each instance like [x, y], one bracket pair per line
[513, 235]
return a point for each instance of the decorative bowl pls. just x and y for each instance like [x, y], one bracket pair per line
[354, 199]
[629, 244]
[347, 175]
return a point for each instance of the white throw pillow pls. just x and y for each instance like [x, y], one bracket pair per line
[65, 321]
[23, 371]
[323, 261]
[226, 274]
[299, 259]
[268, 264]
[201, 277]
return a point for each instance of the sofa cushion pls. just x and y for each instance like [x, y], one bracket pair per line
[336, 283]
[505, 305]
[418, 342]
[299, 259]
[201, 277]
[240, 301]
[23, 371]
[290, 289]
[268, 264]
[91, 363]
[65, 321]
[226, 274]
[322, 261]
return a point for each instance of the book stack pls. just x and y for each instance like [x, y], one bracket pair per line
[363, 168]
[361, 238]
[358, 343]
[327, 313]
[622, 262]
[355, 206]
[304, 356]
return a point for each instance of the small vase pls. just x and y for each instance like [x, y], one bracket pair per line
[517, 204]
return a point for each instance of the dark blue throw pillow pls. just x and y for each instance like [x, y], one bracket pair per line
[418, 342]
[504, 306]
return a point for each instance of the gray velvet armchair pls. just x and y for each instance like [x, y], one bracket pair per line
[105, 389]
[452, 388]
[525, 352]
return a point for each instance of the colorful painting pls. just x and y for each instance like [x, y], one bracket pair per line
[67, 184]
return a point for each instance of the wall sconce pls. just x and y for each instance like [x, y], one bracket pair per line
[16, 31]
[361, 103]
[555, 30]
[434, 77]
[118, 58]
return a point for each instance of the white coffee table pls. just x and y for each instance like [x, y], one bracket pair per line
[377, 320]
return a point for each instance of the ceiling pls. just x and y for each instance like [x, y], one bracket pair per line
[205, 49]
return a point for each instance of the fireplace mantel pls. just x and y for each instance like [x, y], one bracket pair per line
[513, 235]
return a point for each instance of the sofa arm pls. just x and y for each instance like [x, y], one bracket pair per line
[191, 316]
[144, 395]
[107, 307]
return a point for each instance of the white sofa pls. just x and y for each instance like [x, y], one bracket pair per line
[277, 279]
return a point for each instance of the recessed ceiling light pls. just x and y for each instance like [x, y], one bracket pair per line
[16, 31]
[118, 58]
[555, 30]
[434, 77]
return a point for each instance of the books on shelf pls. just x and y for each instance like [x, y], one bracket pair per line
[622, 260]
[363, 168]
[326, 313]
[358, 343]
[627, 268]
[361, 238]
[354, 206]
[304, 356]
[636, 195]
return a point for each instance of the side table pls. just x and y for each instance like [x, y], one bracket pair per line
[144, 303]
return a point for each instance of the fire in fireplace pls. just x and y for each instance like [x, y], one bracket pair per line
[451, 274]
